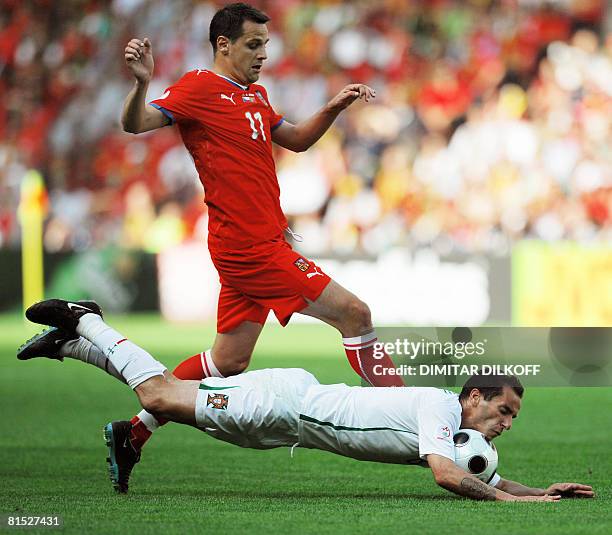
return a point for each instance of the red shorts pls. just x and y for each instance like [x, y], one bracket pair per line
[263, 277]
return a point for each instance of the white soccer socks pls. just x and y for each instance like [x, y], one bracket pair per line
[131, 361]
[195, 368]
[149, 421]
[84, 350]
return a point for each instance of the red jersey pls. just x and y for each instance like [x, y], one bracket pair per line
[227, 130]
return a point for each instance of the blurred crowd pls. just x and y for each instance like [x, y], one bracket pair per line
[492, 122]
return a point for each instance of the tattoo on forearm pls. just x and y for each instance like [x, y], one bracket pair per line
[478, 490]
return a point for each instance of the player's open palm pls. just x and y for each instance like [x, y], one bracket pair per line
[139, 58]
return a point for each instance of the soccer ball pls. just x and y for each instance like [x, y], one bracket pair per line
[475, 454]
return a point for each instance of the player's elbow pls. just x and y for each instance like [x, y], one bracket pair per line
[235, 366]
[298, 142]
[133, 124]
[300, 147]
[295, 146]
[442, 478]
[130, 128]
[441, 470]
[303, 142]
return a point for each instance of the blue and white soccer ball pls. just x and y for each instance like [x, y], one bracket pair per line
[475, 454]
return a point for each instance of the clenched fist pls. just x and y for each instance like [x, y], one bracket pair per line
[139, 58]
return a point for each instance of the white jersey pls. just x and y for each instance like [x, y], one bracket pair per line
[390, 425]
[288, 407]
[258, 409]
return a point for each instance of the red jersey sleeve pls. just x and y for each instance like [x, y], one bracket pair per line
[275, 119]
[180, 101]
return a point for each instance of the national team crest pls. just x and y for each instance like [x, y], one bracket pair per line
[301, 264]
[249, 97]
[217, 401]
[260, 97]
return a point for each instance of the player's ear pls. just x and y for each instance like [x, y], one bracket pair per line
[223, 45]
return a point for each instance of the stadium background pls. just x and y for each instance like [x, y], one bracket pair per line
[476, 188]
[491, 128]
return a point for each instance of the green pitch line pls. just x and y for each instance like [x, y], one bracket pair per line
[53, 455]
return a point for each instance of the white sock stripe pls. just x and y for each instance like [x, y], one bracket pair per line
[364, 346]
[212, 368]
[365, 375]
[205, 366]
[203, 363]
[359, 340]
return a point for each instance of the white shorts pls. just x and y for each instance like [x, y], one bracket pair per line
[258, 409]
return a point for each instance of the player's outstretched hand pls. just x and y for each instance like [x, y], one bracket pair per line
[571, 490]
[545, 498]
[139, 58]
[350, 94]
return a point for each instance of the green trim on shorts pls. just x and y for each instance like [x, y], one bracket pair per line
[305, 418]
[206, 387]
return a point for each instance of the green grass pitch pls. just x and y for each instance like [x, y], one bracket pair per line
[53, 455]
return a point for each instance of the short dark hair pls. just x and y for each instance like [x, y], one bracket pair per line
[491, 386]
[229, 20]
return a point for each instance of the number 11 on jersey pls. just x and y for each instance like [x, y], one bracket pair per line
[255, 133]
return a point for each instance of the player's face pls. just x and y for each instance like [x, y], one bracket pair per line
[248, 52]
[495, 416]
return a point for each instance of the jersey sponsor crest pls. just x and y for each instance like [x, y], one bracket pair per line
[301, 264]
[217, 401]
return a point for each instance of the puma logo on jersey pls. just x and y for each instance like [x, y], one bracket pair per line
[311, 275]
[230, 98]
[199, 71]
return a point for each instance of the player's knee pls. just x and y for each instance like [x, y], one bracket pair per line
[358, 316]
[234, 366]
[153, 401]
